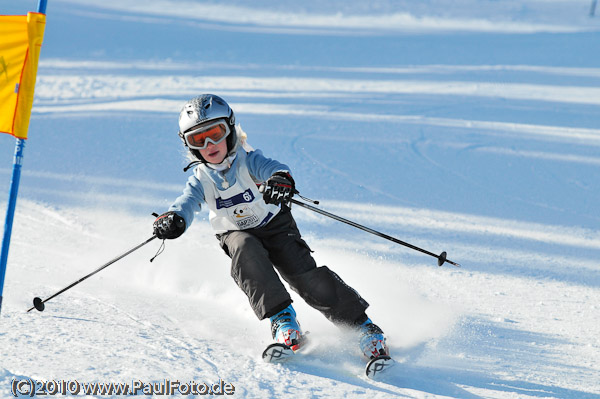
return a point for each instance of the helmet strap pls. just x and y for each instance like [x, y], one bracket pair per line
[191, 164]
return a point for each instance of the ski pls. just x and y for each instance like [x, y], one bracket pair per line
[280, 353]
[277, 353]
[379, 366]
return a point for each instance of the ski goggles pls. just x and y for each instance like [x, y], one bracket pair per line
[199, 138]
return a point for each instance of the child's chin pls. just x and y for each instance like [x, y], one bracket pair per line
[215, 160]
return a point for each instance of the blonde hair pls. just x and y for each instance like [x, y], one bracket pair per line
[243, 138]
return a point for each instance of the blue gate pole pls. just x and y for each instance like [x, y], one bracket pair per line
[42, 6]
[10, 210]
[12, 194]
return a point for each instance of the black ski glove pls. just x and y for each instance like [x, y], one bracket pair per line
[169, 225]
[278, 189]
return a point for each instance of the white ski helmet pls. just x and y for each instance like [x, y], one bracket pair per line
[204, 109]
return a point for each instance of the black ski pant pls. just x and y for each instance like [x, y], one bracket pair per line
[256, 253]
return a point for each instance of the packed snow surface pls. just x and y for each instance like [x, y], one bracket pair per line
[466, 126]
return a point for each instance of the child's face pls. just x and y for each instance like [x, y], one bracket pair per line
[215, 153]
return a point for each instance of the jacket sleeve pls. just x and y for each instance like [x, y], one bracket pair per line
[190, 201]
[262, 167]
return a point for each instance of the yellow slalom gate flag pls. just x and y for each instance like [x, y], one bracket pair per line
[21, 38]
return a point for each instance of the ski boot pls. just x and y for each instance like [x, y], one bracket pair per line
[286, 330]
[374, 349]
[372, 342]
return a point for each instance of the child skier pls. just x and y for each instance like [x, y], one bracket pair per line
[256, 229]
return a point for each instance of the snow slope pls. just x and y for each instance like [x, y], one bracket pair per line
[469, 126]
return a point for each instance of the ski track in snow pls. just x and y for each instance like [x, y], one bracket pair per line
[494, 162]
[119, 87]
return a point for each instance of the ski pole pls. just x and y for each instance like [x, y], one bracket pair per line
[38, 303]
[441, 257]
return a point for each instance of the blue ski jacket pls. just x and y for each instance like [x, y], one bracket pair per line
[259, 167]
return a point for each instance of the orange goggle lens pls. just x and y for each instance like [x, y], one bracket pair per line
[199, 138]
